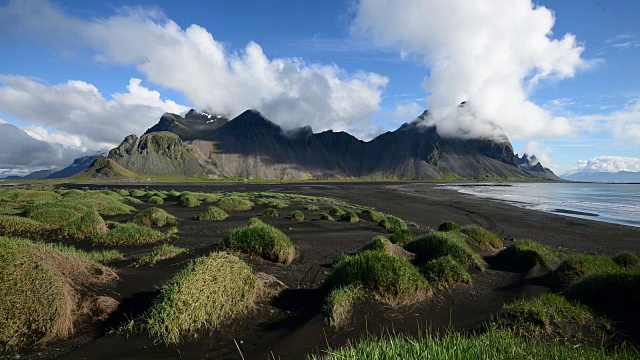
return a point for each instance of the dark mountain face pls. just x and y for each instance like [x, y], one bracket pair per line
[533, 167]
[78, 165]
[252, 146]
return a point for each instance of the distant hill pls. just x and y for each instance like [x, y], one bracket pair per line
[252, 146]
[78, 165]
[40, 174]
[616, 177]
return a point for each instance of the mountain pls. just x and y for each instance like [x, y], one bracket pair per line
[40, 174]
[615, 177]
[533, 167]
[252, 146]
[80, 164]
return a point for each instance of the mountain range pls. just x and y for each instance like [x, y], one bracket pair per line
[602, 176]
[251, 146]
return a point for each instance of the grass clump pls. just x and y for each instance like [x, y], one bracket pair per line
[312, 207]
[626, 259]
[85, 226]
[401, 237]
[339, 304]
[576, 267]
[297, 215]
[525, 254]
[327, 217]
[482, 239]
[449, 226]
[351, 217]
[261, 239]
[132, 200]
[130, 234]
[54, 213]
[438, 244]
[189, 201]
[213, 213]
[445, 271]
[336, 211]
[11, 225]
[123, 193]
[270, 212]
[276, 203]
[162, 252]
[104, 204]
[155, 217]
[375, 216]
[155, 200]
[234, 203]
[101, 256]
[392, 222]
[208, 291]
[138, 193]
[390, 279]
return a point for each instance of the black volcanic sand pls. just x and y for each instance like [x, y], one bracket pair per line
[291, 325]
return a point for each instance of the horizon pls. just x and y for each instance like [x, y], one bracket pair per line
[80, 77]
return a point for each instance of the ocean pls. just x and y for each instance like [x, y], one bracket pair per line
[613, 203]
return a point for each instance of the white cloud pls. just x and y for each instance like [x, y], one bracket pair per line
[541, 153]
[289, 91]
[607, 164]
[406, 111]
[78, 114]
[623, 124]
[489, 53]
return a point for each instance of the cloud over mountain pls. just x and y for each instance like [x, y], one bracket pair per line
[607, 164]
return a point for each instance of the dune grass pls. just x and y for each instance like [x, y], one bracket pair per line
[85, 226]
[326, 217]
[401, 237]
[576, 267]
[297, 215]
[351, 217]
[525, 254]
[132, 200]
[11, 225]
[312, 207]
[54, 213]
[123, 192]
[234, 203]
[137, 193]
[130, 234]
[212, 213]
[104, 204]
[154, 217]
[390, 279]
[339, 304]
[275, 203]
[626, 259]
[392, 222]
[98, 256]
[445, 271]
[262, 240]
[270, 212]
[155, 200]
[189, 201]
[438, 244]
[493, 344]
[375, 216]
[162, 252]
[336, 211]
[610, 292]
[449, 226]
[481, 238]
[207, 292]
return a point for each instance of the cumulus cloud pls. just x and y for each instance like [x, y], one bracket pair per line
[607, 164]
[80, 115]
[190, 60]
[491, 53]
[540, 153]
[623, 124]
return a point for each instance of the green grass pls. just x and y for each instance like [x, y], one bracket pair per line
[626, 259]
[338, 305]
[213, 213]
[234, 203]
[392, 222]
[378, 243]
[132, 200]
[336, 211]
[449, 226]
[351, 216]
[11, 225]
[327, 217]
[138, 193]
[390, 279]
[270, 213]
[401, 237]
[189, 201]
[375, 216]
[99, 256]
[155, 200]
[297, 215]
[160, 194]
[609, 292]
[54, 213]
[130, 234]
[493, 344]
[482, 239]
[123, 193]
[549, 316]
[208, 197]
[438, 244]
[155, 217]
[525, 254]
[312, 207]
[174, 193]
[262, 240]
[85, 226]
[162, 252]
[578, 266]
[207, 292]
[445, 271]
[104, 204]
[276, 203]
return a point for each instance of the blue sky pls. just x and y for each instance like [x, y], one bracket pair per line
[357, 66]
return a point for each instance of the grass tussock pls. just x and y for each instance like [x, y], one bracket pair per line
[262, 240]
[275, 203]
[130, 234]
[576, 267]
[339, 304]
[297, 215]
[207, 292]
[104, 204]
[482, 239]
[439, 244]
[85, 226]
[43, 292]
[449, 226]
[208, 197]
[155, 200]
[381, 243]
[525, 254]
[336, 211]
[189, 201]
[445, 271]
[155, 217]
[393, 223]
[54, 213]
[132, 200]
[123, 192]
[234, 203]
[375, 216]
[351, 217]
[162, 252]
[270, 212]
[326, 217]
[11, 225]
[401, 237]
[99, 256]
[312, 207]
[138, 193]
[213, 213]
[390, 279]
[626, 259]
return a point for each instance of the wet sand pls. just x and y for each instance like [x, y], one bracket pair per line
[291, 325]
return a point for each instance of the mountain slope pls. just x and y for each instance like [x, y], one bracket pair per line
[616, 177]
[78, 165]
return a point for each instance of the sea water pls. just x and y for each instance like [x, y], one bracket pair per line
[614, 203]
